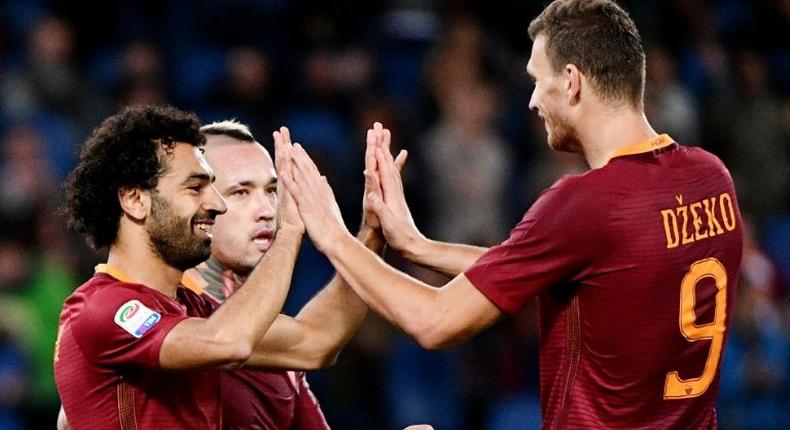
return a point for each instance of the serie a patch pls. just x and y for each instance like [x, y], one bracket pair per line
[136, 318]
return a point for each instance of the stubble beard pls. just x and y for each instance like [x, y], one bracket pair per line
[172, 239]
[563, 136]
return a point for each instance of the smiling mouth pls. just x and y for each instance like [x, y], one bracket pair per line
[205, 226]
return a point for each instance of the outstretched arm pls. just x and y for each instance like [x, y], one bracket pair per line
[389, 203]
[435, 317]
[315, 337]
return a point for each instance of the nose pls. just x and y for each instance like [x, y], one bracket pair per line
[533, 105]
[265, 206]
[214, 201]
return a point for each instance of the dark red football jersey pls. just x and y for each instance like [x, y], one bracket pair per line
[107, 359]
[264, 399]
[257, 399]
[635, 266]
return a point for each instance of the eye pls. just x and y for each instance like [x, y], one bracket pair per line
[195, 188]
[271, 190]
[240, 192]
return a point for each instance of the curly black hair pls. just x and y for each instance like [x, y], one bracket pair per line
[122, 153]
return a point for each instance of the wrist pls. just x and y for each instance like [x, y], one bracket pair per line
[417, 248]
[290, 231]
[372, 238]
[337, 243]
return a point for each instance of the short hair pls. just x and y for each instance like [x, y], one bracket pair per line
[229, 128]
[601, 39]
[123, 153]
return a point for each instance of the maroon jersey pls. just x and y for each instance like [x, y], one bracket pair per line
[635, 267]
[107, 359]
[256, 399]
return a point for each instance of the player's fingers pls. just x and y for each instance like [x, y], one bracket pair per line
[286, 135]
[387, 176]
[303, 160]
[327, 187]
[371, 180]
[290, 184]
[386, 139]
[278, 150]
[370, 150]
[306, 174]
[400, 160]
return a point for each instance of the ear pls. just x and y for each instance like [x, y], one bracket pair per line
[135, 203]
[573, 85]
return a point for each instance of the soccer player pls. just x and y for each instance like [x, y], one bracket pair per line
[634, 263]
[247, 181]
[135, 348]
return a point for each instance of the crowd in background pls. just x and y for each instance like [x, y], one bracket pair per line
[448, 77]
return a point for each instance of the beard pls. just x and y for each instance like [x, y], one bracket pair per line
[173, 238]
[563, 136]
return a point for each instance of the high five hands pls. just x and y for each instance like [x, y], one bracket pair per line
[384, 204]
[378, 139]
[384, 195]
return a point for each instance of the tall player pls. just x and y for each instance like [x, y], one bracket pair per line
[634, 262]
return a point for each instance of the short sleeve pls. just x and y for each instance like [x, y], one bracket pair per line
[120, 326]
[557, 238]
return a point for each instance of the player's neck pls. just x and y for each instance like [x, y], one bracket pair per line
[220, 281]
[605, 131]
[132, 255]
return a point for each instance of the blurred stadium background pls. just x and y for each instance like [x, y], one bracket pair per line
[448, 78]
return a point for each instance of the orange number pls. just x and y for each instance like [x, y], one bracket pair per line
[674, 387]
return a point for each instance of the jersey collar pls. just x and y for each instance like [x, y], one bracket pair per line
[652, 144]
[114, 272]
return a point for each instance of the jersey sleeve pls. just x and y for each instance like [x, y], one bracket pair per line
[552, 244]
[123, 327]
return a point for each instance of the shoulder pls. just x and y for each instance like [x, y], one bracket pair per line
[574, 195]
[103, 300]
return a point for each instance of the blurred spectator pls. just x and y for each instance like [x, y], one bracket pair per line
[754, 371]
[752, 135]
[140, 76]
[668, 105]
[468, 164]
[25, 172]
[247, 89]
[13, 366]
[49, 80]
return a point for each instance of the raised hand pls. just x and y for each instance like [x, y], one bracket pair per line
[386, 197]
[314, 199]
[377, 137]
[287, 212]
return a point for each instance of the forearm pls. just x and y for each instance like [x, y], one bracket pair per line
[315, 337]
[247, 315]
[448, 258]
[337, 311]
[406, 302]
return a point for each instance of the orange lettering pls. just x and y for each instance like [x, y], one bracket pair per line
[728, 218]
[697, 221]
[710, 206]
[671, 228]
[686, 239]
